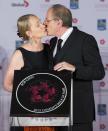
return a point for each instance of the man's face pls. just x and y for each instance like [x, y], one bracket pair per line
[37, 29]
[51, 23]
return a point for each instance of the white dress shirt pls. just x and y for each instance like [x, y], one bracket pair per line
[64, 37]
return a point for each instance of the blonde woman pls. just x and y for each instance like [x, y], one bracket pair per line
[32, 54]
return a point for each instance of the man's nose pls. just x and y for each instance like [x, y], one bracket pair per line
[45, 24]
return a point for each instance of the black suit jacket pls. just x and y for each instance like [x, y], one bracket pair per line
[81, 50]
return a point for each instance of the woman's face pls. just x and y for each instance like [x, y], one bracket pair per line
[37, 29]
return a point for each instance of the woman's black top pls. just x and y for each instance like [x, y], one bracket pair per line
[35, 60]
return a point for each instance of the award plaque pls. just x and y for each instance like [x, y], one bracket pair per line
[40, 94]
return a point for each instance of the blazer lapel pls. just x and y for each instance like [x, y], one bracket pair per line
[52, 46]
[53, 43]
[69, 42]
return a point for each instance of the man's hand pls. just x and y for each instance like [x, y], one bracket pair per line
[64, 66]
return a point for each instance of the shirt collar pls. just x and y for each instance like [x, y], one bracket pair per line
[67, 34]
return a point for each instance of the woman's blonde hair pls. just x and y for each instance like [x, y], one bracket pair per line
[23, 25]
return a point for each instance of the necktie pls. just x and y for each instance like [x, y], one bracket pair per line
[58, 46]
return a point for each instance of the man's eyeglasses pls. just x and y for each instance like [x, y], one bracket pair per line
[47, 21]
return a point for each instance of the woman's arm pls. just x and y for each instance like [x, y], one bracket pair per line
[16, 63]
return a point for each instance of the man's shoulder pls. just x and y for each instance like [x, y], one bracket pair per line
[81, 32]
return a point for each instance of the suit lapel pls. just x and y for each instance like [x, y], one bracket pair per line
[69, 42]
[52, 46]
[53, 43]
